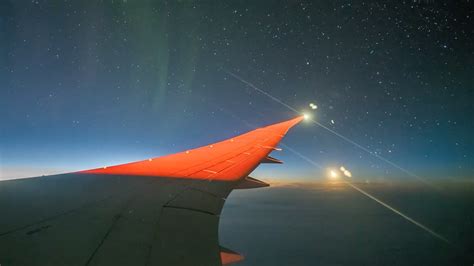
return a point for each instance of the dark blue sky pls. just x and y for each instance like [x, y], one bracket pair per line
[85, 84]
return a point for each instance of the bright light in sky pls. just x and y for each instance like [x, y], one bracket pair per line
[306, 116]
[345, 171]
[333, 174]
[313, 106]
[336, 173]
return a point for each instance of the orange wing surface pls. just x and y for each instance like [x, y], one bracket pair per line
[228, 160]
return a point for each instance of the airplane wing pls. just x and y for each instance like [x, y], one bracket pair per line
[160, 211]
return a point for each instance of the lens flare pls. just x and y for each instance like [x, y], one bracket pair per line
[345, 171]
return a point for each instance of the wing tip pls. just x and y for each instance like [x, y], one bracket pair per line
[286, 125]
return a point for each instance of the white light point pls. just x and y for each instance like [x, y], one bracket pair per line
[345, 171]
[333, 174]
[306, 116]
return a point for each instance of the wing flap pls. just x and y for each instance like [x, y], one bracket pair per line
[197, 200]
[185, 237]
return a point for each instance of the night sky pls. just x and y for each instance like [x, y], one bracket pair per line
[86, 84]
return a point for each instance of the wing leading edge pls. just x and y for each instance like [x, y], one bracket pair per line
[161, 211]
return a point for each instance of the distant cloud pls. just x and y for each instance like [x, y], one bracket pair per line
[7, 173]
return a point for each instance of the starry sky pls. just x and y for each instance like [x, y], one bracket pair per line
[86, 84]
